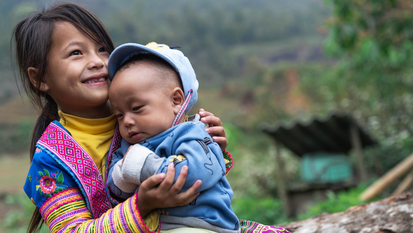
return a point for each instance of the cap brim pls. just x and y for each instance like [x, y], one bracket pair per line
[122, 53]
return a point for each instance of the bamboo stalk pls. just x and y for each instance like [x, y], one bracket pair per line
[404, 185]
[395, 173]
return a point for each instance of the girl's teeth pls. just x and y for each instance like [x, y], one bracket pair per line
[95, 80]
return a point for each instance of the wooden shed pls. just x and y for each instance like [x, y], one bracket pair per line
[324, 143]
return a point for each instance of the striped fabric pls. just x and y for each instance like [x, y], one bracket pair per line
[71, 154]
[255, 227]
[67, 212]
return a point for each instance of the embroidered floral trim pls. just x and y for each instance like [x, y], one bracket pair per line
[228, 160]
[50, 183]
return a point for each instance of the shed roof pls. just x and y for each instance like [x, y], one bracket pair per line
[331, 134]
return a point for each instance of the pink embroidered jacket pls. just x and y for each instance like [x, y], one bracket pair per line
[66, 186]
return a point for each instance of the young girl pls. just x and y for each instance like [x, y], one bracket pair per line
[62, 54]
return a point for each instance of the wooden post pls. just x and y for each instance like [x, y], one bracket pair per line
[404, 185]
[357, 147]
[282, 189]
[395, 173]
[377, 164]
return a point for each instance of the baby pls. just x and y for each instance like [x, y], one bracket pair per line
[152, 87]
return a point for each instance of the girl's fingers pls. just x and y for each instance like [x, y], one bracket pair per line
[169, 178]
[180, 181]
[189, 195]
[152, 181]
[208, 118]
[215, 128]
[212, 121]
[216, 131]
[203, 113]
[222, 142]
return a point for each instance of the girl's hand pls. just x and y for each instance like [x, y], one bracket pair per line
[158, 191]
[214, 128]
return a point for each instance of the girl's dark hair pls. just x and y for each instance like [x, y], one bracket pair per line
[33, 40]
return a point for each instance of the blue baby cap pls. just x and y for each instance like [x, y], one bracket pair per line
[173, 56]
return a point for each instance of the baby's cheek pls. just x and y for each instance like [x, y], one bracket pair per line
[123, 131]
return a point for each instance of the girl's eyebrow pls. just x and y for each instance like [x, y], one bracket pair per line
[78, 43]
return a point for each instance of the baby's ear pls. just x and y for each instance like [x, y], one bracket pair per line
[34, 79]
[178, 98]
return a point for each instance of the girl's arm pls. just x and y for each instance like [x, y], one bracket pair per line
[63, 207]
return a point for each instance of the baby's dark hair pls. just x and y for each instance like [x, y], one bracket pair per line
[168, 72]
[33, 40]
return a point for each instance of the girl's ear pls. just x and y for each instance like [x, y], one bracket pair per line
[178, 98]
[33, 72]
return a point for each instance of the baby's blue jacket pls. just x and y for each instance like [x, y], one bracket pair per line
[205, 162]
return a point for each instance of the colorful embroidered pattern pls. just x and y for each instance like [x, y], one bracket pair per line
[182, 109]
[254, 227]
[228, 161]
[61, 144]
[116, 143]
[49, 183]
[64, 207]
[67, 211]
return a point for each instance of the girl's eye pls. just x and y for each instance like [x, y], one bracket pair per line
[119, 115]
[102, 49]
[75, 53]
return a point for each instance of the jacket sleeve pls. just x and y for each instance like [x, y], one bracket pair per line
[63, 208]
[193, 147]
[113, 187]
[203, 163]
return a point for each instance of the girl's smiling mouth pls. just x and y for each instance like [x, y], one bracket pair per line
[100, 78]
[95, 80]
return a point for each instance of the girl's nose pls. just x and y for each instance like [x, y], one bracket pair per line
[96, 62]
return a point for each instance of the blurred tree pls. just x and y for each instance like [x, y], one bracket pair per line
[370, 76]
[374, 43]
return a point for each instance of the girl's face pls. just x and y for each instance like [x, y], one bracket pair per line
[76, 75]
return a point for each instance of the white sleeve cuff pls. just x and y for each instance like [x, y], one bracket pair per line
[133, 163]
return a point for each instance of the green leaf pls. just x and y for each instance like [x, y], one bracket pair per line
[59, 189]
[46, 172]
[60, 178]
[41, 173]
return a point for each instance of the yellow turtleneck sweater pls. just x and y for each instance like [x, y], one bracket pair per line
[94, 135]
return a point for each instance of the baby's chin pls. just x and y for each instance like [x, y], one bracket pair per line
[132, 140]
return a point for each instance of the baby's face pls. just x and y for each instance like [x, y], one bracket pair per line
[142, 106]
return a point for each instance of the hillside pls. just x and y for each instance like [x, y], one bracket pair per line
[17, 110]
